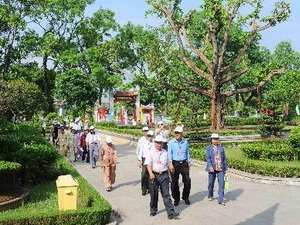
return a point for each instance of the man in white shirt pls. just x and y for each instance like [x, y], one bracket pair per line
[159, 175]
[145, 148]
[142, 139]
[93, 142]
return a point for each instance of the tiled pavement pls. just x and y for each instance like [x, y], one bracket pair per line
[251, 200]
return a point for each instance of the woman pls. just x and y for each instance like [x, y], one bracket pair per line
[108, 162]
[216, 167]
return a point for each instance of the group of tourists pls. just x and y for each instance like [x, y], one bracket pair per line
[162, 161]
[78, 143]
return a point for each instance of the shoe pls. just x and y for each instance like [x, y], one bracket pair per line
[187, 202]
[174, 215]
[176, 203]
[222, 203]
[144, 193]
[210, 199]
[93, 167]
[153, 214]
[108, 189]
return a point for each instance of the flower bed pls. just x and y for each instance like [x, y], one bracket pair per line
[12, 197]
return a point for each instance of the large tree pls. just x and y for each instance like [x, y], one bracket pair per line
[211, 56]
[87, 65]
[52, 24]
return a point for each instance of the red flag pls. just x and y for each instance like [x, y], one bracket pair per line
[121, 115]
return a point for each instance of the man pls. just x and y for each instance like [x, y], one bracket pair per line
[73, 144]
[179, 158]
[163, 132]
[93, 141]
[145, 148]
[142, 139]
[62, 140]
[159, 176]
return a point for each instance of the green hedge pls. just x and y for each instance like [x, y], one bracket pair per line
[38, 162]
[264, 168]
[41, 207]
[270, 151]
[9, 172]
[6, 166]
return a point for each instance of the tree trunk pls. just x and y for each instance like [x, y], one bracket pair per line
[46, 86]
[217, 113]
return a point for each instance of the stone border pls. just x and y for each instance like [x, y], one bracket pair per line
[232, 172]
[16, 202]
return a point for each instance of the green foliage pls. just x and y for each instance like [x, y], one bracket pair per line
[294, 138]
[23, 144]
[40, 169]
[8, 171]
[239, 121]
[273, 119]
[270, 151]
[41, 206]
[239, 162]
[9, 166]
[273, 169]
[21, 98]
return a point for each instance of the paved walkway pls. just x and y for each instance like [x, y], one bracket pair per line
[248, 202]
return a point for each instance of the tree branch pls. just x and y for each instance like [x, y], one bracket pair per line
[260, 84]
[233, 76]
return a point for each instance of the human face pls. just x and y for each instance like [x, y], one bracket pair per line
[178, 135]
[215, 141]
[149, 137]
[158, 145]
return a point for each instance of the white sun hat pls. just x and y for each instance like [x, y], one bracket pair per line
[178, 129]
[214, 135]
[108, 139]
[159, 138]
[145, 128]
[150, 133]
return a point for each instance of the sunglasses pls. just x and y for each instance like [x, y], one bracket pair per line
[178, 132]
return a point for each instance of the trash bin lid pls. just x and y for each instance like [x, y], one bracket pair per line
[66, 181]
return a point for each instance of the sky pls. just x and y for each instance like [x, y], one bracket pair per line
[134, 11]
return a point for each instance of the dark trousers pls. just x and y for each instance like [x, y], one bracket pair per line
[144, 177]
[211, 183]
[183, 169]
[160, 182]
[85, 154]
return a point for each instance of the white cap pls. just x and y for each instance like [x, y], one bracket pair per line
[77, 119]
[92, 127]
[159, 138]
[214, 135]
[75, 127]
[145, 128]
[178, 129]
[108, 139]
[160, 122]
[150, 133]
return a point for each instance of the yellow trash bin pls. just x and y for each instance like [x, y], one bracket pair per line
[67, 192]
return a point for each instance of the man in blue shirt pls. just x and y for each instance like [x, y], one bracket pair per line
[179, 160]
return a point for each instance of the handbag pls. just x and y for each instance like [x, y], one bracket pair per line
[227, 183]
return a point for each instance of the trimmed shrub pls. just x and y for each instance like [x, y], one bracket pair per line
[294, 137]
[270, 151]
[37, 160]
